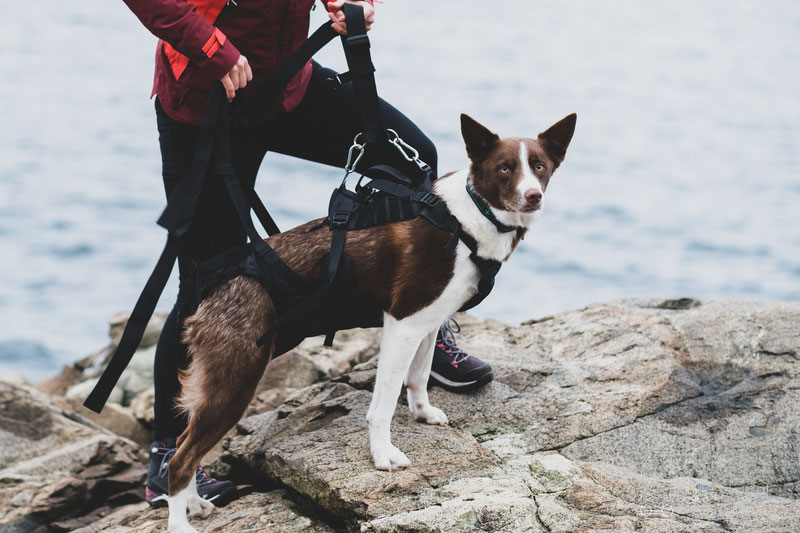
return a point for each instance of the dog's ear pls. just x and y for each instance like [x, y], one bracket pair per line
[557, 137]
[479, 140]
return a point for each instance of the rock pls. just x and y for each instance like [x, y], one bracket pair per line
[14, 378]
[54, 468]
[643, 415]
[117, 419]
[137, 378]
[59, 384]
[271, 512]
[142, 407]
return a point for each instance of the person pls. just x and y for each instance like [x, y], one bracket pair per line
[240, 42]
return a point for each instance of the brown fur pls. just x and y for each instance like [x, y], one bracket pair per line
[226, 365]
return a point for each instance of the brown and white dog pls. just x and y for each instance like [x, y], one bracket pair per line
[399, 266]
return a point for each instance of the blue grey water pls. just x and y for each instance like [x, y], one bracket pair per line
[682, 178]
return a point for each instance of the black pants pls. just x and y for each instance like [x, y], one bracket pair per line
[321, 129]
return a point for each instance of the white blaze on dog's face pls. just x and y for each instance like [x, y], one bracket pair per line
[512, 174]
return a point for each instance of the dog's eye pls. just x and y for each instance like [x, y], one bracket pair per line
[504, 170]
[539, 167]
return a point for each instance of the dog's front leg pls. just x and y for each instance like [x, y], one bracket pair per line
[178, 505]
[417, 384]
[399, 343]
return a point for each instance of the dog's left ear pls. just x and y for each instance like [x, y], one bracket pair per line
[557, 137]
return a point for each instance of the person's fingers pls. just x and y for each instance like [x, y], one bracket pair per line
[230, 90]
[248, 71]
[335, 6]
[338, 22]
[242, 78]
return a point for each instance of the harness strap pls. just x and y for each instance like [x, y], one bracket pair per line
[181, 206]
[356, 50]
[335, 256]
[287, 70]
[134, 329]
[487, 267]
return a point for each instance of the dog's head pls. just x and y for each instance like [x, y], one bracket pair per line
[512, 174]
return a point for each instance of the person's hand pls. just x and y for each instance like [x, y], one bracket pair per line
[337, 15]
[237, 77]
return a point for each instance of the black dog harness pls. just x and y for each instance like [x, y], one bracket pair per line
[325, 306]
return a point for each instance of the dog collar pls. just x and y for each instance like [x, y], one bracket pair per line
[486, 211]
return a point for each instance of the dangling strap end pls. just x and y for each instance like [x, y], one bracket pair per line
[329, 339]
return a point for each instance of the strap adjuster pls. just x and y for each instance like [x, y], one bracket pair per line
[357, 41]
[340, 219]
[430, 199]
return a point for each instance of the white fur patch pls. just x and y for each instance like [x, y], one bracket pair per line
[491, 243]
[529, 180]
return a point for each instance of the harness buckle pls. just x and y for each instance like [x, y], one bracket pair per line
[339, 219]
[430, 199]
[357, 41]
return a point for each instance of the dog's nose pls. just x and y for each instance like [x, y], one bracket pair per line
[533, 196]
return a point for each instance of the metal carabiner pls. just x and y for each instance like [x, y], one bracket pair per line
[405, 149]
[354, 155]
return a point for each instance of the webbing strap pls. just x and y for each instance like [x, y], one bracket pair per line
[223, 169]
[362, 71]
[182, 203]
[134, 329]
[287, 70]
[338, 237]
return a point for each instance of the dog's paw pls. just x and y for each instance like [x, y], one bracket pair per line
[390, 458]
[429, 414]
[197, 506]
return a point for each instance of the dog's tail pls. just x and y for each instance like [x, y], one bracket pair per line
[225, 368]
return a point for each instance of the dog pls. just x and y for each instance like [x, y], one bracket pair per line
[399, 266]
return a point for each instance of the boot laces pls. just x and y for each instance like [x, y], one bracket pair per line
[447, 333]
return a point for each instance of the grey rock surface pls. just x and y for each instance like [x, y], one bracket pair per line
[641, 415]
[57, 469]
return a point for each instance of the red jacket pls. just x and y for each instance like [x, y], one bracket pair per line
[196, 46]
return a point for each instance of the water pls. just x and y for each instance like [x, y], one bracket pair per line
[682, 177]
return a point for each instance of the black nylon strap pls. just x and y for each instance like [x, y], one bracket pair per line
[338, 237]
[134, 329]
[287, 70]
[224, 170]
[181, 206]
[356, 50]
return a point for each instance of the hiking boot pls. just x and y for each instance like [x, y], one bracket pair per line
[220, 493]
[453, 368]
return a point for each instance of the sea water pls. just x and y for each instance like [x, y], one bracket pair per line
[682, 178]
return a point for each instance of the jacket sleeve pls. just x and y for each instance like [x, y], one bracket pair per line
[178, 23]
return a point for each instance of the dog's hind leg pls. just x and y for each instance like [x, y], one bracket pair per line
[398, 345]
[226, 366]
[417, 384]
